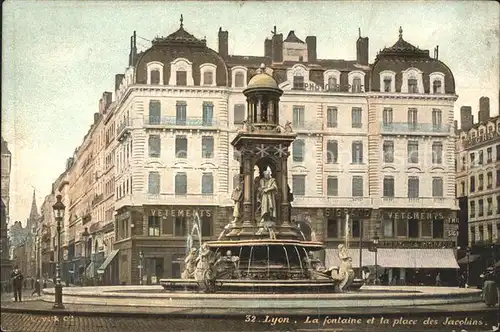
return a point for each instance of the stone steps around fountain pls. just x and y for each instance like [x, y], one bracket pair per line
[153, 296]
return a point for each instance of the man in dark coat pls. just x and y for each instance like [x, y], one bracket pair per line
[17, 283]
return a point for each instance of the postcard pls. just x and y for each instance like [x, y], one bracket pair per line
[250, 166]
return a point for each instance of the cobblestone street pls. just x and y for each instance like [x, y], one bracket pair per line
[21, 322]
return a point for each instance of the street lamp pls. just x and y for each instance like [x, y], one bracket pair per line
[375, 249]
[85, 236]
[468, 266]
[141, 256]
[59, 210]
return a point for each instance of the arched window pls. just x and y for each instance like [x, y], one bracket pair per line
[239, 80]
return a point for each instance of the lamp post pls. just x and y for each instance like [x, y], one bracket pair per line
[468, 267]
[141, 256]
[375, 249]
[85, 236]
[59, 210]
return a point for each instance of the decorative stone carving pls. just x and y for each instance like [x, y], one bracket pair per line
[237, 197]
[190, 266]
[345, 273]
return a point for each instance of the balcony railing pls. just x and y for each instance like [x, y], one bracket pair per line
[122, 129]
[406, 127]
[321, 201]
[172, 121]
[420, 202]
[168, 199]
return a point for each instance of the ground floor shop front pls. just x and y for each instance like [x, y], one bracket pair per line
[151, 241]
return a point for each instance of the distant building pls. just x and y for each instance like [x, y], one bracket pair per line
[478, 181]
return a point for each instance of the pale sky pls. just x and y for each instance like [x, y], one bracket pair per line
[59, 56]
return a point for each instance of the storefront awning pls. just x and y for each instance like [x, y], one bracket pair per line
[108, 260]
[470, 259]
[398, 258]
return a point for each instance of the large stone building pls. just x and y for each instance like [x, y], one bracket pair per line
[5, 261]
[478, 182]
[375, 142]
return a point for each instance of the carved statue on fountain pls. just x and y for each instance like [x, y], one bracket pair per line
[345, 273]
[237, 197]
[190, 266]
[266, 195]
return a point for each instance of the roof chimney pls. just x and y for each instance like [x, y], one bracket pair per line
[436, 52]
[484, 109]
[466, 118]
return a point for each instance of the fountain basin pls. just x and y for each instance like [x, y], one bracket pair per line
[368, 296]
[260, 286]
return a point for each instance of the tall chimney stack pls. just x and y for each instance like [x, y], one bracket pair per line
[362, 49]
[223, 43]
[484, 109]
[466, 118]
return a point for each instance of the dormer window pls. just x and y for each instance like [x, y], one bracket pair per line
[436, 86]
[412, 85]
[332, 83]
[436, 80]
[412, 81]
[298, 82]
[239, 80]
[356, 79]
[181, 73]
[331, 79]
[387, 81]
[207, 71]
[181, 77]
[155, 73]
[208, 78]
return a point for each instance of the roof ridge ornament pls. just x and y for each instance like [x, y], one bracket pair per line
[182, 20]
[261, 69]
[400, 32]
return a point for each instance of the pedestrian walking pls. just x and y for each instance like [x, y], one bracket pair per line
[438, 279]
[17, 283]
[37, 288]
[32, 282]
[490, 293]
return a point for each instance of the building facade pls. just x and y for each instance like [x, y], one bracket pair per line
[375, 142]
[5, 254]
[478, 182]
[375, 146]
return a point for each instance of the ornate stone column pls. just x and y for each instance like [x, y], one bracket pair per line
[248, 189]
[258, 109]
[270, 112]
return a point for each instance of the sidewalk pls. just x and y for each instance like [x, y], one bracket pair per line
[26, 296]
[37, 306]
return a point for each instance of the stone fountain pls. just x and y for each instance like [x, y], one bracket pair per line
[260, 249]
